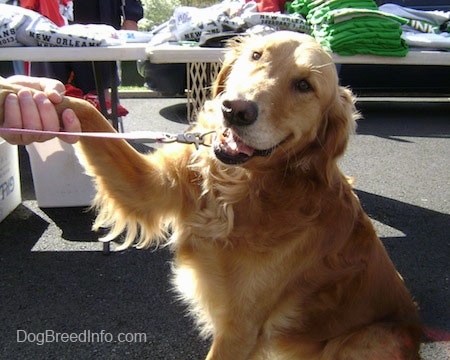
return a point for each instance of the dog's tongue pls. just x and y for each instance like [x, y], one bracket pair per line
[233, 145]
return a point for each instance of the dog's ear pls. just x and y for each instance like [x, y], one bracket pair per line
[234, 47]
[340, 122]
[219, 83]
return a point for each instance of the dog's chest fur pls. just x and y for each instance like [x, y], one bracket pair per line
[231, 256]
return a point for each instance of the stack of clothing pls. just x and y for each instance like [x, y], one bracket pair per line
[350, 27]
[425, 29]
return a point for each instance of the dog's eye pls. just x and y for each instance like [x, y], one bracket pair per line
[301, 85]
[256, 55]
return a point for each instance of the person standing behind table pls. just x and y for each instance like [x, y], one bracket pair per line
[52, 10]
[120, 14]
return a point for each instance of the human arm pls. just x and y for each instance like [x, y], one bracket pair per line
[132, 12]
[129, 25]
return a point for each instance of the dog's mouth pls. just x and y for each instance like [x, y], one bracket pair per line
[231, 149]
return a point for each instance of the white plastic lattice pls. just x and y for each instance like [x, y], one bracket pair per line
[200, 76]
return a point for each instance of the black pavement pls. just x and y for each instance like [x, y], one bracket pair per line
[62, 298]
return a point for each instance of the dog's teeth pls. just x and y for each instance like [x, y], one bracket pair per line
[232, 144]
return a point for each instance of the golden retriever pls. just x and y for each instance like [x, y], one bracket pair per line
[273, 252]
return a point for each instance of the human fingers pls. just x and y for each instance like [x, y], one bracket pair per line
[70, 124]
[25, 111]
[51, 87]
[36, 112]
[12, 118]
[30, 116]
[48, 116]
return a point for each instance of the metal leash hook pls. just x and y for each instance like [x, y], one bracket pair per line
[193, 138]
[190, 138]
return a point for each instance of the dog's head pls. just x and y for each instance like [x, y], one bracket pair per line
[278, 99]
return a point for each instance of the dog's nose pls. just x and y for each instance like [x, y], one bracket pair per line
[240, 112]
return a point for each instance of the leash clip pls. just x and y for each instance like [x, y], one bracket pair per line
[193, 138]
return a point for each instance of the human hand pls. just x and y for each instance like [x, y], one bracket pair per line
[36, 111]
[129, 25]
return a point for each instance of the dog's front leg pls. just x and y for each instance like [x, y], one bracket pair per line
[132, 188]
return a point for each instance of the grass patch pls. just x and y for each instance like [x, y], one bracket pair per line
[132, 88]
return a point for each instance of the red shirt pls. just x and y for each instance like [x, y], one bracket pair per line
[270, 5]
[47, 8]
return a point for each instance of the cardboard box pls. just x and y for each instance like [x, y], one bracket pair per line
[10, 194]
[59, 178]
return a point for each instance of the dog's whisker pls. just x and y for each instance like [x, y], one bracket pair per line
[324, 65]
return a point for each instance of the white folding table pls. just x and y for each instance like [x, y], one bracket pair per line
[203, 64]
[112, 54]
